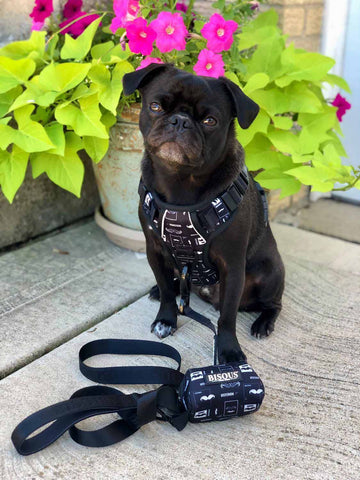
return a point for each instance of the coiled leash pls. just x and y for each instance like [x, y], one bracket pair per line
[216, 392]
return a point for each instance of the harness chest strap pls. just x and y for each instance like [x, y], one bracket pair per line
[187, 231]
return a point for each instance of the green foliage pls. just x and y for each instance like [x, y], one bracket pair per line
[60, 95]
[295, 138]
[56, 100]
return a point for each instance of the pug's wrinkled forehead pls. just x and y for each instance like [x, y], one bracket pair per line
[181, 91]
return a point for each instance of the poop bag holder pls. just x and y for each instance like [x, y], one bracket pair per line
[216, 392]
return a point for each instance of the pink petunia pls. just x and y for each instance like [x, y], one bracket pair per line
[71, 8]
[342, 105]
[147, 61]
[181, 7]
[37, 26]
[219, 33]
[141, 36]
[79, 26]
[171, 31]
[42, 10]
[125, 11]
[254, 5]
[209, 64]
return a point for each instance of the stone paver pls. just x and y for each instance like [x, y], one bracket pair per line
[307, 428]
[47, 297]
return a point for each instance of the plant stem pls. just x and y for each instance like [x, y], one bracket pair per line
[76, 20]
[348, 186]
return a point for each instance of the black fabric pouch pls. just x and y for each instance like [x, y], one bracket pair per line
[220, 392]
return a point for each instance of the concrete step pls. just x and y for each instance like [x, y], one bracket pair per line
[56, 288]
[307, 427]
[328, 217]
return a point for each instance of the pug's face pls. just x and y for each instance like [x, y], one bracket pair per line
[186, 120]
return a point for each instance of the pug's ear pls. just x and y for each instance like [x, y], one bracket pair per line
[138, 79]
[244, 108]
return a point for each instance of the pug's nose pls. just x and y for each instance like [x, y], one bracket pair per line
[180, 122]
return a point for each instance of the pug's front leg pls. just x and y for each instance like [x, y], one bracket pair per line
[166, 320]
[231, 289]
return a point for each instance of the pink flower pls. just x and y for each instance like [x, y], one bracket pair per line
[42, 10]
[141, 36]
[125, 11]
[181, 7]
[342, 105]
[219, 33]
[79, 26]
[209, 64]
[148, 60]
[71, 8]
[171, 31]
[254, 5]
[37, 26]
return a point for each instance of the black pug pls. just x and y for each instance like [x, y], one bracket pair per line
[192, 155]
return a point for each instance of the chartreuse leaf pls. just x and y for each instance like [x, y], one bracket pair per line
[260, 124]
[314, 128]
[276, 178]
[14, 72]
[256, 81]
[102, 51]
[66, 170]
[233, 77]
[56, 134]
[51, 48]
[109, 85]
[84, 120]
[60, 77]
[336, 80]
[108, 119]
[33, 48]
[34, 93]
[96, 148]
[294, 98]
[321, 178]
[83, 90]
[284, 123]
[31, 136]
[335, 141]
[12, 171]
[267, 58]
[258, 30]
[7, 134]
[77, 48]
[285, 141]
[6, 99]
[303, 66]
[118, 54]
[330, 158]
[260, 153]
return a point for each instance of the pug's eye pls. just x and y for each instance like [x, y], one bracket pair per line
[209, 121]
[155, 107]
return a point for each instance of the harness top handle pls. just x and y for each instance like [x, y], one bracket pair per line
[135, 409]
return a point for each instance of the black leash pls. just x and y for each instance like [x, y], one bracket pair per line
[135, 409]
[185, 309]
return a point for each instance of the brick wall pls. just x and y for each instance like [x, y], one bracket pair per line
[302, 21]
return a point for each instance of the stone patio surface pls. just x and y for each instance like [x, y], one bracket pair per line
[308, 425]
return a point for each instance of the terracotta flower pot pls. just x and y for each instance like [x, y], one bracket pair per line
[117, 177]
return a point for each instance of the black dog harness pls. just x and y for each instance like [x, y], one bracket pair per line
[187, 231]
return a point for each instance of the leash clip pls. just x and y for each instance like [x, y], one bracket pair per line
[184, 289]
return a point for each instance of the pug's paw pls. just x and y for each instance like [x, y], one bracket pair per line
[162, 329]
